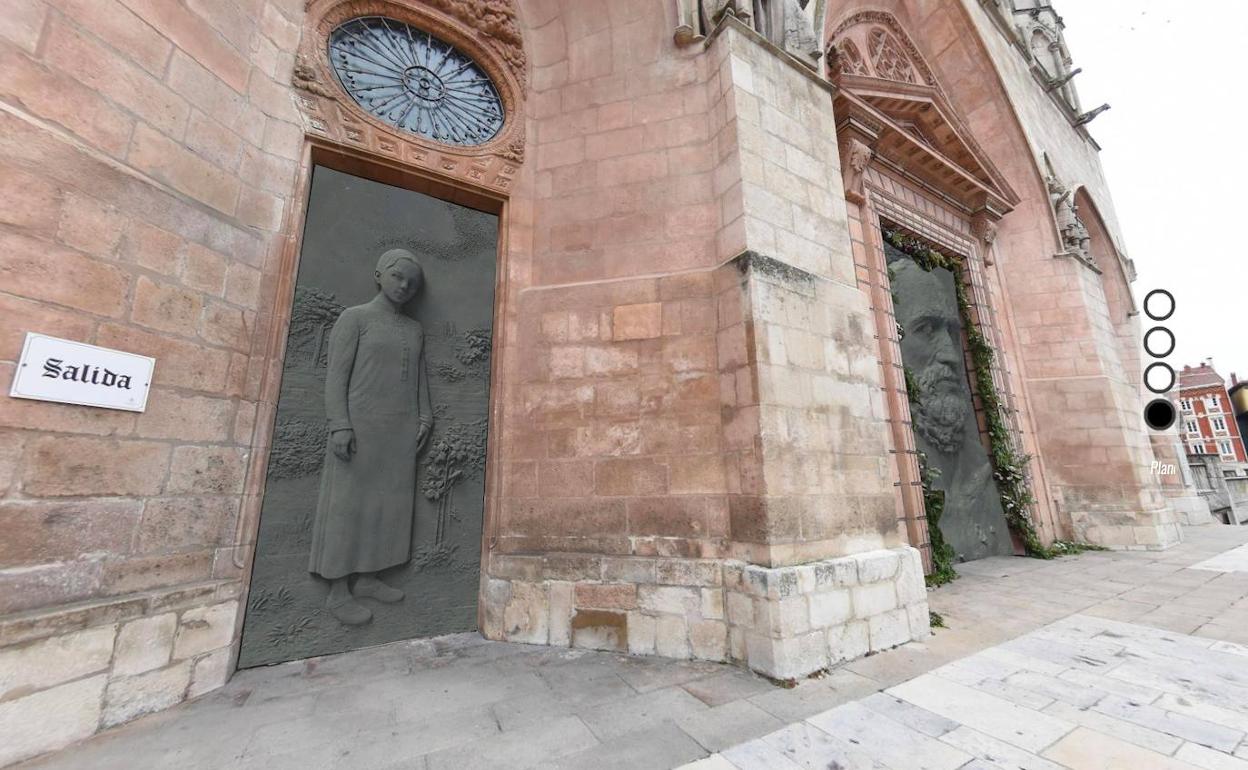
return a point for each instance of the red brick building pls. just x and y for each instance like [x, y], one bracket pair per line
[1208, 422]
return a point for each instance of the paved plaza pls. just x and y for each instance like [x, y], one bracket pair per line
[1106, 659]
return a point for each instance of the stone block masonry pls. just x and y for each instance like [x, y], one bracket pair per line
[786, 622]
[65, 676]
[148, 155]
[783, 622]
[689, 451]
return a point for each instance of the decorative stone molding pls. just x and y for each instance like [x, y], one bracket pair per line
[485, 30]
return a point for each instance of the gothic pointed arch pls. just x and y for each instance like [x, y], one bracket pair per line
[1117, 272]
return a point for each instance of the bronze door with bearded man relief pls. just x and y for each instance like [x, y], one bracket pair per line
[942, 409]
[371, 522]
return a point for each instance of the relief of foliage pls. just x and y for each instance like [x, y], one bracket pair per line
[457, 453]
[298, 448]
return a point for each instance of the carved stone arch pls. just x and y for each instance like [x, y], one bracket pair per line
[1046, 50]
[845, 58]
[485, 30]
[857, 28]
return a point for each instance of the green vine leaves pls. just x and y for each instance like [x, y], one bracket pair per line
[1009, 466]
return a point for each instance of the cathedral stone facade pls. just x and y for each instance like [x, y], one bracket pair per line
[702, 433]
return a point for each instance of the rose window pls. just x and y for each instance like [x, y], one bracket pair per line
[415, 82]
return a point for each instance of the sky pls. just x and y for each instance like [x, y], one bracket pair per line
[1175, 151]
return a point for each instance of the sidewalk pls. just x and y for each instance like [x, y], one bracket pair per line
[1132, 657]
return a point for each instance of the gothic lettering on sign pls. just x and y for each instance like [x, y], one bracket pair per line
[85, 373]
[69, 372]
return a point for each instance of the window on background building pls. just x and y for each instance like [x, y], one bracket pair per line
[1213, 404]
[1192, 427]
[1185, 404]
[1219, 424]
[1195, 448]
[1225, 448]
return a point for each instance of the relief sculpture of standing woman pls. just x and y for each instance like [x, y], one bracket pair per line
[379, 412]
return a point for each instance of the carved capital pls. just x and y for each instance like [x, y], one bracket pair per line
[856, 156]
[984, 227]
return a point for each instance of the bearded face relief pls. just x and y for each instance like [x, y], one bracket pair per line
[943, 418]
[934, 342]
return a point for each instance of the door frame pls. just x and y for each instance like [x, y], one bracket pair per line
[273, 327]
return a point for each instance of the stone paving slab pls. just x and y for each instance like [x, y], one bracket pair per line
[1181, 702]
[1235, 560]
[1091, 658]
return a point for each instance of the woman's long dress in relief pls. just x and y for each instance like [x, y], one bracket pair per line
[377, 386]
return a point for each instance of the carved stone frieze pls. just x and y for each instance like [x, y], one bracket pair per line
[485, 30]
[496, 21]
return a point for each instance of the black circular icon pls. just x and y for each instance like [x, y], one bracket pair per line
[1154, 304]
[1164, 371]
[1148, 335]
[1160, 414]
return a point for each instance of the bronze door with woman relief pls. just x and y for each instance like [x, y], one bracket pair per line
[371, 522]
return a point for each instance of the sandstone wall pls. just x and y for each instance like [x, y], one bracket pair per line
[1066, 323]
[1078, 332]
[690, 380]
[148, 152]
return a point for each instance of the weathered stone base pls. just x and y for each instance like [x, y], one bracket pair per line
[67, 674]
[1147, 531]
[1191, 510]
[783, 622]
[788, 622]
[644, 606]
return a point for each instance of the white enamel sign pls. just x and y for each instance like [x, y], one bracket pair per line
[53, 369]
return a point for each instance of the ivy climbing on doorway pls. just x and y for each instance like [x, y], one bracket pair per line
[1009, 465]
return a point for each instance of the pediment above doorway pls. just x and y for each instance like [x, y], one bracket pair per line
[890, 106]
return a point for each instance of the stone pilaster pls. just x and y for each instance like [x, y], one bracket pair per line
[820, 571]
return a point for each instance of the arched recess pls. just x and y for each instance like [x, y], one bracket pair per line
[1115, 275]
